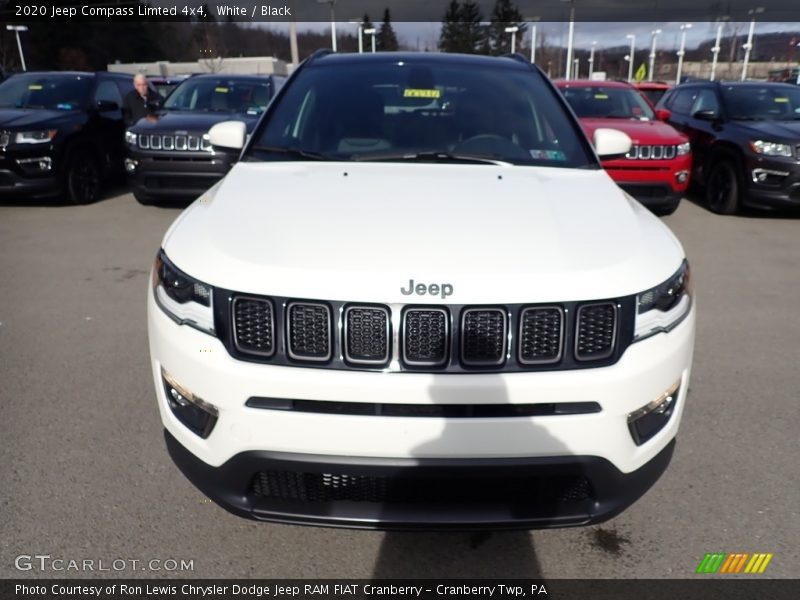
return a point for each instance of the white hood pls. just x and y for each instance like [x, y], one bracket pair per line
[362, 231]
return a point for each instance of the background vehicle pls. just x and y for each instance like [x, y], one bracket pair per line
[169, 154]
[61, 133]
[452, 319]
[745, 140]
[654, 90]
[656, 171]
[165, 85]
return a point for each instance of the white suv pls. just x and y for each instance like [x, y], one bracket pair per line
[419, 302]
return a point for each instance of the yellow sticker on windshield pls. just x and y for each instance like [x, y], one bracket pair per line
[34, 86]
[221, 90]
[601, 96]
[781, 100]
[416, 93]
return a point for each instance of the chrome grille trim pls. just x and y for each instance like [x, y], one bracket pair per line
[652, 152]
[174, 142]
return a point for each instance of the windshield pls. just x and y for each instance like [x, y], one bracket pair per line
[776, 102]
[409, 110]
[608, 103]
[52, 92]
[223, 94]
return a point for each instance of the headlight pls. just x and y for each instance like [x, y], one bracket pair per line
[683, 149]
[186, 300]
[661, 308]
[130, 138]
[771, 148]
[35, 137]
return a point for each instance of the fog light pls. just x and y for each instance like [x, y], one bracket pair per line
[647, 421]
[43, 164]
[769, 176]
[682, 176]
[130, 165]
[194, 412]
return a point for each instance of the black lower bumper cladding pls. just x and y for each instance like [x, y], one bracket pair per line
[421, 494]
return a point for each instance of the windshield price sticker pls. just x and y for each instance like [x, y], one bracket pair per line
[417, 93]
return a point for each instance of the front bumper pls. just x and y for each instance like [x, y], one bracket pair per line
[580, 451]
[176, 174]
[772, 183]
[655, 183]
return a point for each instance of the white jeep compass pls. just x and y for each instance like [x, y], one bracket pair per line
[418, 301]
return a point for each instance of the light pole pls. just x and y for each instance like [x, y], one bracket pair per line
[632, 38]
[16, 29]
[372, 31]
[749, 45]
[333, 22]
[654, 33]
[360, 25]
[591, 60]
[715, 50]
[576, 72]
[533, 20]
[513, 31]
[682, 51]
[571, 36]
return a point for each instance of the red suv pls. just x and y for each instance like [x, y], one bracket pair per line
[656, 171]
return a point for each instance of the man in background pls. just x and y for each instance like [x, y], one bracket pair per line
[139, 102]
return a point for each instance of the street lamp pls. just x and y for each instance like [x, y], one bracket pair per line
[571, 37]
[513, 31]
[333, 22]
[591, 60]
[715, 50]
[534, 20]
[749, 45]
[682, 51]
[575, 68]
[372, 31]
[360, 24]
[632, 38]
[16, 29]
[654, 33]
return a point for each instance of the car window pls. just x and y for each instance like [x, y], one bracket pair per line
[608, 103]
[52, 92]
[774, 102]
[706, 100]
[682, 100]
[220, 95]
[352, 111]
[109, 92]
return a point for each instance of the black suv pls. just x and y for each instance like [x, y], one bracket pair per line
[745, 140]
[61, 133]
[169, 155]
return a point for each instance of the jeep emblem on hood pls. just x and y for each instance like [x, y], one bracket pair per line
[434, 289]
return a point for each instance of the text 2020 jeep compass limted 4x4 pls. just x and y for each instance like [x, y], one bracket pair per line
[418, 301]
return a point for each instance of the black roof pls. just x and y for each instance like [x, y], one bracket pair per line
[430, 58]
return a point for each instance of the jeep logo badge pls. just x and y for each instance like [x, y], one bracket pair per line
[434, 289]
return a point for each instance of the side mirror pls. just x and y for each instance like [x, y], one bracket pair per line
[228, 134]
[105, 106]
[611, 143]
[662, 114]
[706, 115]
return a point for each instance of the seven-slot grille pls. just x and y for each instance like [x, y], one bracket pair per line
[171, 141]
[597, 328]
[366, 335]
[541, 335]
[449, 338]
[426, 336]
[652, 152]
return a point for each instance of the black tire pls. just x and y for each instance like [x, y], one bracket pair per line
[84, 178]
[724, 188]
[663, 211]
[143, 198]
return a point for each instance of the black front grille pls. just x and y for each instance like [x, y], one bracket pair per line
[483, 336]
[366, 335]
[309, 333]
[253, 325]
[410, 488]
[426, 336]
[597, 327]
[541, 333]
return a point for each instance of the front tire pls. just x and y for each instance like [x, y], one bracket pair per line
[724, 188]
[83, 179]
[143, 199]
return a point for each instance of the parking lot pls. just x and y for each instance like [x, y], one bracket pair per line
[85, 474]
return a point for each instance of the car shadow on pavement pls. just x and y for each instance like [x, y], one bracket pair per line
[483, 553]
[111, 189]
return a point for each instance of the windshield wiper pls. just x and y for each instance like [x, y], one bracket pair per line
[429, 156]
[296, 152]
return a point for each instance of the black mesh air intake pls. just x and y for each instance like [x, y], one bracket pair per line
[253, 326]
[425, 336]
[366, 334]
[483, 336]
[596, 331]
[541, 333]
[309, 331]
